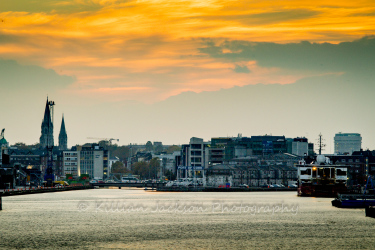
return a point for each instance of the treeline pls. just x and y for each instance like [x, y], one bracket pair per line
[146, 170]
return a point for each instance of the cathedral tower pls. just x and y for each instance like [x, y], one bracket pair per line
[63, 137]
[46, 139]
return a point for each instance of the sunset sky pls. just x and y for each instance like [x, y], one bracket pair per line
[106, 62]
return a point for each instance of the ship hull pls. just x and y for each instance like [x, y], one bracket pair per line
[321, 190]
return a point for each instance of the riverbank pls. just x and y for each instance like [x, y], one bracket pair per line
[28, 190]
[215, 189]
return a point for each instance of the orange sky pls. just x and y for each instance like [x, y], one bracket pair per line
[148, 50]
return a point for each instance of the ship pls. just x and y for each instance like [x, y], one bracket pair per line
[321, 178]
[365, 200]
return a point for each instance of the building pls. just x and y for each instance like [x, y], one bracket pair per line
[347, 143]
[63, 137]
[27, 157]
[46, 138]
[193, 154]
[4, 145]
[214, 155]
[238, 147]
[71, 162]
[168, 162]
[298, 146]
[94, 161]
[268, 144]
[88, 159]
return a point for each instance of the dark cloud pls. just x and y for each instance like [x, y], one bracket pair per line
[355, 56]
[241, 69]
[30, 77]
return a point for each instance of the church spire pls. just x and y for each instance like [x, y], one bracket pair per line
[46, 138]
[63, 137]
[47, 114]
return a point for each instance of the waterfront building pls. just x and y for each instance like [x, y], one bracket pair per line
[168, 162]
[347, 143]
[88, 159]
[360, 165]
[237, 147]
[298, 146]
[46, 138]
[268, 144]
[193, 154]
[71, 162]
[214, 155]
[253, 173]
[94, 161]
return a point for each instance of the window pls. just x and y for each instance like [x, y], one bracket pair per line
[341, 172]
[304, 172]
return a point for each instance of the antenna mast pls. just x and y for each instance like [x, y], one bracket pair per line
[321, 145]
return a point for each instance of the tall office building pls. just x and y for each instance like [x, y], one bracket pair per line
[347, 143]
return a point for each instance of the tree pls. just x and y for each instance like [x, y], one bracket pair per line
[149, 146]
[173, 148]
[122, 152]
[21, 145]
[154, 166]
[119, 167]
[158, 149]
[141, 169]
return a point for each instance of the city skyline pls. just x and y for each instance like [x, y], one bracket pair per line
[166, 71]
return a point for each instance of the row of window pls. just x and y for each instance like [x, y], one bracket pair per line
[70, 163]
[70, 159]
[349, 160]
[70, 169]
[70, 153]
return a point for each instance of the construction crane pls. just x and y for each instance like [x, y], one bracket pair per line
[109, 140]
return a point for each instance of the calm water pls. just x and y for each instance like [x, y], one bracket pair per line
[131, 218]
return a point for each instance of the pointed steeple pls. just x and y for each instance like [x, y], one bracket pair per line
[63, 137]
[62, 129]
[46, 138]
[47, 114]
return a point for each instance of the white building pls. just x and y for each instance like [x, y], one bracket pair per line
[193, 154]
[71, 163]
[347, 143]
[91, 160]
[300, 148]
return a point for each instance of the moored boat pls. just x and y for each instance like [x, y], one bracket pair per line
[354, 200]
[321, 178]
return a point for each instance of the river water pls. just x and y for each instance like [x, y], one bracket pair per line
[134, 218]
